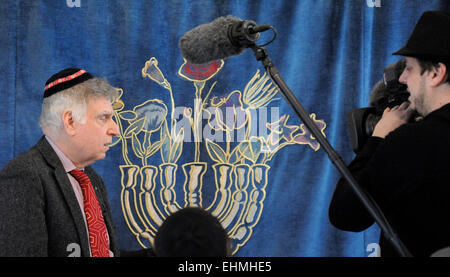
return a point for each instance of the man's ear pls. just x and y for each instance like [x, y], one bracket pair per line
[440, 74]
[68, 123]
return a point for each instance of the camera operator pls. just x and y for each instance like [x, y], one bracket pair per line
[386, 93]
[405, 167]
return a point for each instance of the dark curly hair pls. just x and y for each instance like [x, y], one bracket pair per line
[426, 64]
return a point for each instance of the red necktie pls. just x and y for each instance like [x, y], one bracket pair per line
[98, 236]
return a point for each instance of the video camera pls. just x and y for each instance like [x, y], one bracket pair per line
[388, 92]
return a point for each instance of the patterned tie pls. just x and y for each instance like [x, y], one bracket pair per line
[98, 236]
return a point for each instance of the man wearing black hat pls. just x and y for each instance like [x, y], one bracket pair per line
[406, 167]
[52, 203]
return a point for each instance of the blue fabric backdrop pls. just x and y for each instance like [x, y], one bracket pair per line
[330, 53]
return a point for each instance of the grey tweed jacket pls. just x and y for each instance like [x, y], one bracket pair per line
[39, 212]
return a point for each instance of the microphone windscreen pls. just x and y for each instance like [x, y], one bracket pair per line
[209, 42]
[378, 94]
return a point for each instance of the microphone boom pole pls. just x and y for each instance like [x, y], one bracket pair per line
[261, 54]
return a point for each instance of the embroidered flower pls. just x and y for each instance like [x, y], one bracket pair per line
[153, 113]
[259, 91]
[200, 72]
[228, 113]
[152, 71]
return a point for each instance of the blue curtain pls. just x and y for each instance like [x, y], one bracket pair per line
[273, 201]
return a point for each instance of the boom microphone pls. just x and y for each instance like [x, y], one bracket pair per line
[222, 38]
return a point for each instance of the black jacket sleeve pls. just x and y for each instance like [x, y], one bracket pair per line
[346, 211]
[23, 229]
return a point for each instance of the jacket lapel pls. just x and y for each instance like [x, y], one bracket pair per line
[66, 187]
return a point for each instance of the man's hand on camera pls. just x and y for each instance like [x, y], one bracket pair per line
[392, 119]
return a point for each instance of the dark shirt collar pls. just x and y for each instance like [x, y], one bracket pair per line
[443, 112]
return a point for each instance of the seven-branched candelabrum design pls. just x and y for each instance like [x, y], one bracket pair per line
[240, 168]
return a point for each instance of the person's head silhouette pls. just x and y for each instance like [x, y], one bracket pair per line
[191, 232]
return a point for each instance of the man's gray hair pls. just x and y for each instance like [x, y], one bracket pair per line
[74, 99]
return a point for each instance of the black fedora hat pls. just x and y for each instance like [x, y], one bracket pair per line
[430, 38]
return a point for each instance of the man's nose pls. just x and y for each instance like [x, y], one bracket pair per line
[114, 129]
[402, 78]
